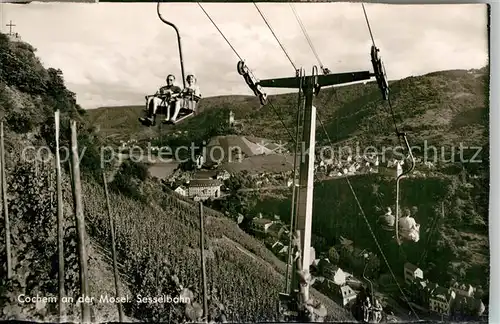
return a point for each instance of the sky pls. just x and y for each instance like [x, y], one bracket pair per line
[114, 54]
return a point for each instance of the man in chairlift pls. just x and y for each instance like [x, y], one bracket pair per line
[166, 96]
[387, 221]
[408, 228]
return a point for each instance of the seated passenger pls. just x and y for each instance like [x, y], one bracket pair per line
[190, 95]
[166, 96]
[408, 228]
[377, 311]
[387, 220]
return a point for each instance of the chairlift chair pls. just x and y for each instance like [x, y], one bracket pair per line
[404, 174]
[188, 100]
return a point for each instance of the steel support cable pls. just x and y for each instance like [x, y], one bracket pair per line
[241, 59]
[276, 37]
[391, 110]
[368, 24]
[300, 104]
[432, 230]
[221, 33]
[304, 31]
[399, 138]
[373, 233]
[388, 99]
[281, 120]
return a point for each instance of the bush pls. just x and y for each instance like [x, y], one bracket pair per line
[32, 212]
[19, 122]
[128, 180]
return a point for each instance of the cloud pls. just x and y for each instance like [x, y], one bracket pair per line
[116, 53]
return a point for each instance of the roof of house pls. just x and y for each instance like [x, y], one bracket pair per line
[204, 183]
[276, 227]
[462, 286]
[261, 221]
[422, 283]
[411, 266]
[205, 174]
[442, 293]
[431, 286]
[348, 291]
[181, 187]
[277, 244]
[331, 267]
[470, 301]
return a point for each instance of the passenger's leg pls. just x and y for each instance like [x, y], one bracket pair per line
[156, 102]
[177, 106]
[151, 110]
[151, 106]
[167, 110]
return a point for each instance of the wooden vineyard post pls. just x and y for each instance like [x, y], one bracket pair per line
[60, 223]
[80, 225]
[113, 248]
[203, 270]
[5, 205]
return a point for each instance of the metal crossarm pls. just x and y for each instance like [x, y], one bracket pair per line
[322, 80]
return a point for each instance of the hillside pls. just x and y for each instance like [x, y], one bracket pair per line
[157, 233]
[456, 245]
[442, 108]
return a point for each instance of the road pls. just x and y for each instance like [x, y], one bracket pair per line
[263, 188]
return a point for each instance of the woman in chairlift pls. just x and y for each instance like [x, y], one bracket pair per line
[166, 96]
[191, 94]
[408, 228]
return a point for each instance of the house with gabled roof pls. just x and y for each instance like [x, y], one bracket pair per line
[203, 189]
[463, 289]
[467, 307]
[346, 294]
[181, 190]
[412, 272]
[440, 300]
[261, 225]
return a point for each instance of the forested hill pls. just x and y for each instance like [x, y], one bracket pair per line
[439, 108]
[156, 233]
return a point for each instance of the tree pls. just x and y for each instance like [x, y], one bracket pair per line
[333, 255]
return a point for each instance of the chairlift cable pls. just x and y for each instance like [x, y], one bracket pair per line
[241, 59]
[304, 31]
[368, 24]
[372, 233]
[399, 135]
[222, 34]
[432, 230]
[276, 37]
[300, 104]
[281, 120]
[373, 42]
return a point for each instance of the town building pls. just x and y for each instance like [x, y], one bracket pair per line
[332, 272]
[347, 294]
[231, 118]
[464, 307]
[205, 174]
[199, 161]
[440, 301]
[181, 190]
[203, 189]
[261, 225]
[412, 272]
[223, 175]
[279, 249]
[463, 289]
